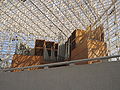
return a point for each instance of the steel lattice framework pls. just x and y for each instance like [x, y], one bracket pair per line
[27, 20]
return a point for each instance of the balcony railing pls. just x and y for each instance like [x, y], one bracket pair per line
[104, 59]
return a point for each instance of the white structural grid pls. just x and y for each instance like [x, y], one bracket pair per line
[27, 20]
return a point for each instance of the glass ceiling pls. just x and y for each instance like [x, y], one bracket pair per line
[27, 20]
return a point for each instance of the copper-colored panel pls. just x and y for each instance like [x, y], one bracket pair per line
[24, 61]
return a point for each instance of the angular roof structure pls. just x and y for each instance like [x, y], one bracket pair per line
[27, 20]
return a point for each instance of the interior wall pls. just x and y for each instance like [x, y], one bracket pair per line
[104, 76]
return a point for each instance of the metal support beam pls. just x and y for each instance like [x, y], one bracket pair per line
[103, 13]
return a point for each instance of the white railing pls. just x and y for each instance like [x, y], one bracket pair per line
[61, 63]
